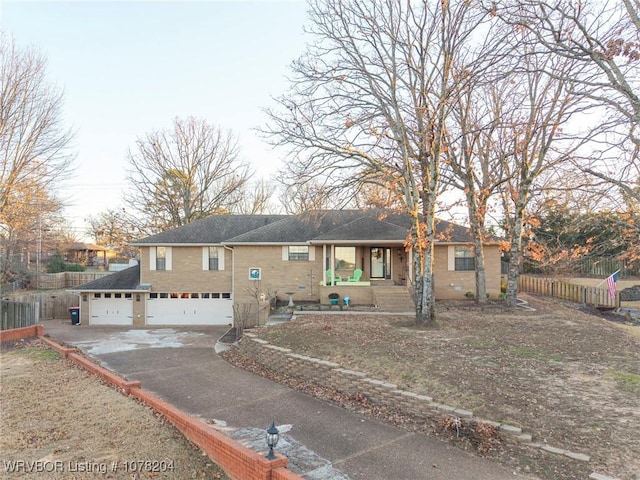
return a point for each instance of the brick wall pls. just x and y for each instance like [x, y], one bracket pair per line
[238, 461]
[17, 334]
[186, 274]
[279, 275]
[452, 284]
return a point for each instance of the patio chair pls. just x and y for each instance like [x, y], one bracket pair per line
[331, 280]
[357, 273]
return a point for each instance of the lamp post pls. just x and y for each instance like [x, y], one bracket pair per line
[272, 440]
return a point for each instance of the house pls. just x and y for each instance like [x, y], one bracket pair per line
[214, 269]
[87, 254]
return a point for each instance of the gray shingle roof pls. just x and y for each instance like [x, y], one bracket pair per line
[211, 230]
[364, 229]
[298, 228]
[127, 279]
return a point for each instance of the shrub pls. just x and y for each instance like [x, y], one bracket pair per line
[58, 264]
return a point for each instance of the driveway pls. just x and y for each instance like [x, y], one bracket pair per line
[322, 441]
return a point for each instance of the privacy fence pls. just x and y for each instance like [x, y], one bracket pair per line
[50, 305]
[19, 314]
[596, 296]
[55, 281]
[584, 267]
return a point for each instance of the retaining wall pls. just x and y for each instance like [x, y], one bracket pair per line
[238, 461]
[329, 374]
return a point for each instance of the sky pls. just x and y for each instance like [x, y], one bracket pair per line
[129, 68]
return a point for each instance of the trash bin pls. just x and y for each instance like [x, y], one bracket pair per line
[75, 315]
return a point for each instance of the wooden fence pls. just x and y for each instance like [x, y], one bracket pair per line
[55, 281]
[597, 296]
[19, 314]
[51, 304]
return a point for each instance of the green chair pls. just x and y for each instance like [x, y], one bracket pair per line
[357, 273]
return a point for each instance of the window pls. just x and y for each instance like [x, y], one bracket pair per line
[213, 258]
[161, 258]
[298, 253]
[464, 259]
[345, 258]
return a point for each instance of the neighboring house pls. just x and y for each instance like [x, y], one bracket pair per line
[87, 254]
[198, 273]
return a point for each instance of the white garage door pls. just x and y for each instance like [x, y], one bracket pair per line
[111, 309]
[211, 310]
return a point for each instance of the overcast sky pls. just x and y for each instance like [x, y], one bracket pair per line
[128, 68]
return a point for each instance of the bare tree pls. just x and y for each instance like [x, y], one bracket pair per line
[300, 195]
[34, 146]
[34, 149]
[474, 164]
[253, 199]
[604, 37]
[369, 102]
[26, 223]
[185, 173]
[534, 138]
[114, 229]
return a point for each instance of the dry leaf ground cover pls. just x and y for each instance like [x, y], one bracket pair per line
[570, 378]
[60, 422]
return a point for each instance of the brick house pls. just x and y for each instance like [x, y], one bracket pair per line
[206, 272]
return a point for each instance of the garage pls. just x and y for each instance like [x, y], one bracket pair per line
[111, 309]
[189, 309]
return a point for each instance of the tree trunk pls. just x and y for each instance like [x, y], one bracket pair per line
[515, 258]
[424, 291]
[481, 279]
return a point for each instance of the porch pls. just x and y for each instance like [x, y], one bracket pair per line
[386, 297]
[376, 265]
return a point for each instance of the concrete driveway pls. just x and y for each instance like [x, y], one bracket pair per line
[322, 441]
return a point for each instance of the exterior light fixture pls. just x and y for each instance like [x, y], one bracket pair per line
[273, 435]
[137, 297]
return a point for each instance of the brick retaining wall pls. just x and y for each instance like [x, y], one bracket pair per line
[238, 462]
[17, 334]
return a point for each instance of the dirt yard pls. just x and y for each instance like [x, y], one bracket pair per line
[60, 422]
[570, 378]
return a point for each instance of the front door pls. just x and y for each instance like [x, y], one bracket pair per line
[380, 262]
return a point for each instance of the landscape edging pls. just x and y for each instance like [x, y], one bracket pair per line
[330, 374]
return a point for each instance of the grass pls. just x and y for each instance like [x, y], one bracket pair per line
[629, 382]
[38, 353]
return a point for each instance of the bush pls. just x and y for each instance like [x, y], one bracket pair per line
[58, 264]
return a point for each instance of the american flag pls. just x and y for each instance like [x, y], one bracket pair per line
[611, 283]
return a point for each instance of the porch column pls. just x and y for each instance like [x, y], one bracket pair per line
[324, 264]
[332, 261]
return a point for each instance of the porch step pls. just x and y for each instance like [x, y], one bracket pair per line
[393, 299]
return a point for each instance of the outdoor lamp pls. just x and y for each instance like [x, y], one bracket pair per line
[272, 440]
